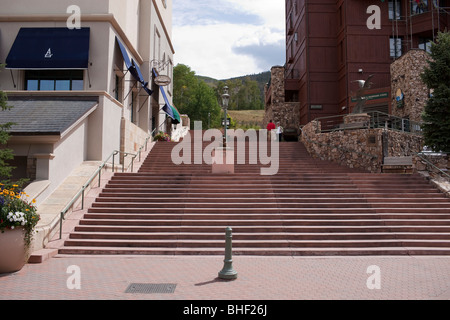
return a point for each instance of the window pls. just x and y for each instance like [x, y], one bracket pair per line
[395, 9]
[291, 53]
[341, 52]
[290, 27]
[54, 80]
[419, 6]
[170, 74]
[118, 90]
[133, 107]
[395, 47]
[438, 3]
[157, 46]
[425, 44]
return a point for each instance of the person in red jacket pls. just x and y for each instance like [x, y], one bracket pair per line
[270, 127]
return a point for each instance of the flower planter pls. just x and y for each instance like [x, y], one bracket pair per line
[13, 254]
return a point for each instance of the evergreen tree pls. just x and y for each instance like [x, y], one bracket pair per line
[5, 153]
[436, 76]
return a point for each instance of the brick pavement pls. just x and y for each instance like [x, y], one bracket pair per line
[259, 278]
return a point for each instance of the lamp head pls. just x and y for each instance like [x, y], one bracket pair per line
[225, 97]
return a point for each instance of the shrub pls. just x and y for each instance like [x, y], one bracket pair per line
[163, 137]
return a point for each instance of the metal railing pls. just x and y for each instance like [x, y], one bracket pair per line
[98, 173]
[422, 156]
[384, 120]
[377, 120]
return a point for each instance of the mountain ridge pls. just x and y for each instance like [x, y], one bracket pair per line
[262, 77]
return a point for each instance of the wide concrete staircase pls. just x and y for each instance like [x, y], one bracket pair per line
[310, 207]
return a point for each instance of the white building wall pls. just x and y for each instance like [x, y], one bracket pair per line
[48, 7]
[69, 153]
[137, 22]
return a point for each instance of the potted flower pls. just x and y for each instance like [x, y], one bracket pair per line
[18, 219]
[161, 136]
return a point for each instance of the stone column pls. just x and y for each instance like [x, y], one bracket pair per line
[223, 160]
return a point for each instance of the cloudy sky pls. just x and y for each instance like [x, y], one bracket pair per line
[229, 38]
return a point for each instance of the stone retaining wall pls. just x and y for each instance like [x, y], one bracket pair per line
[440, 161]
[359, 148]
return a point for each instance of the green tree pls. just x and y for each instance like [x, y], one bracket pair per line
[244, 93]
[436, 76]
[250, 96]
[195, 98]
[5, 153]
[183, 81]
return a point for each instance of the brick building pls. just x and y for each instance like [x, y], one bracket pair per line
[331, 44]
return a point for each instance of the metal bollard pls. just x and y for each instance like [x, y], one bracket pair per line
[227, 272]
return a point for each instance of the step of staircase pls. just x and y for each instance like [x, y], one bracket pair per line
[310, 208]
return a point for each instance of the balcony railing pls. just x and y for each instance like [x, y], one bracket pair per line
[377, 120]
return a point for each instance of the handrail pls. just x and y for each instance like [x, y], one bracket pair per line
[98, 173]
[419, 154]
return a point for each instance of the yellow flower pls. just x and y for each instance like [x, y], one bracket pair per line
[34, 201]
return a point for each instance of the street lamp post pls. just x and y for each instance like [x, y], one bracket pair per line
[225, 101]
[209, 120]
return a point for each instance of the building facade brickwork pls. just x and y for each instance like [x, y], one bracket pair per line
[330, 47]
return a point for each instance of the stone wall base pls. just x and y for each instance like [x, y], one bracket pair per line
[359, 148]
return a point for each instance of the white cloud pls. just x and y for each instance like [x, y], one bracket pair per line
[211, 54]
[271, 11]
[229, 38]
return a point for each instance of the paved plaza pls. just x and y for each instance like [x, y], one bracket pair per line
[259, 278]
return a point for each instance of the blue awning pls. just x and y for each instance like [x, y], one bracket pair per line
[133, 68]
[144, 84]
[167, 108]
[140, 77]
[50, 48]
[125, 56]
[130, 64]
